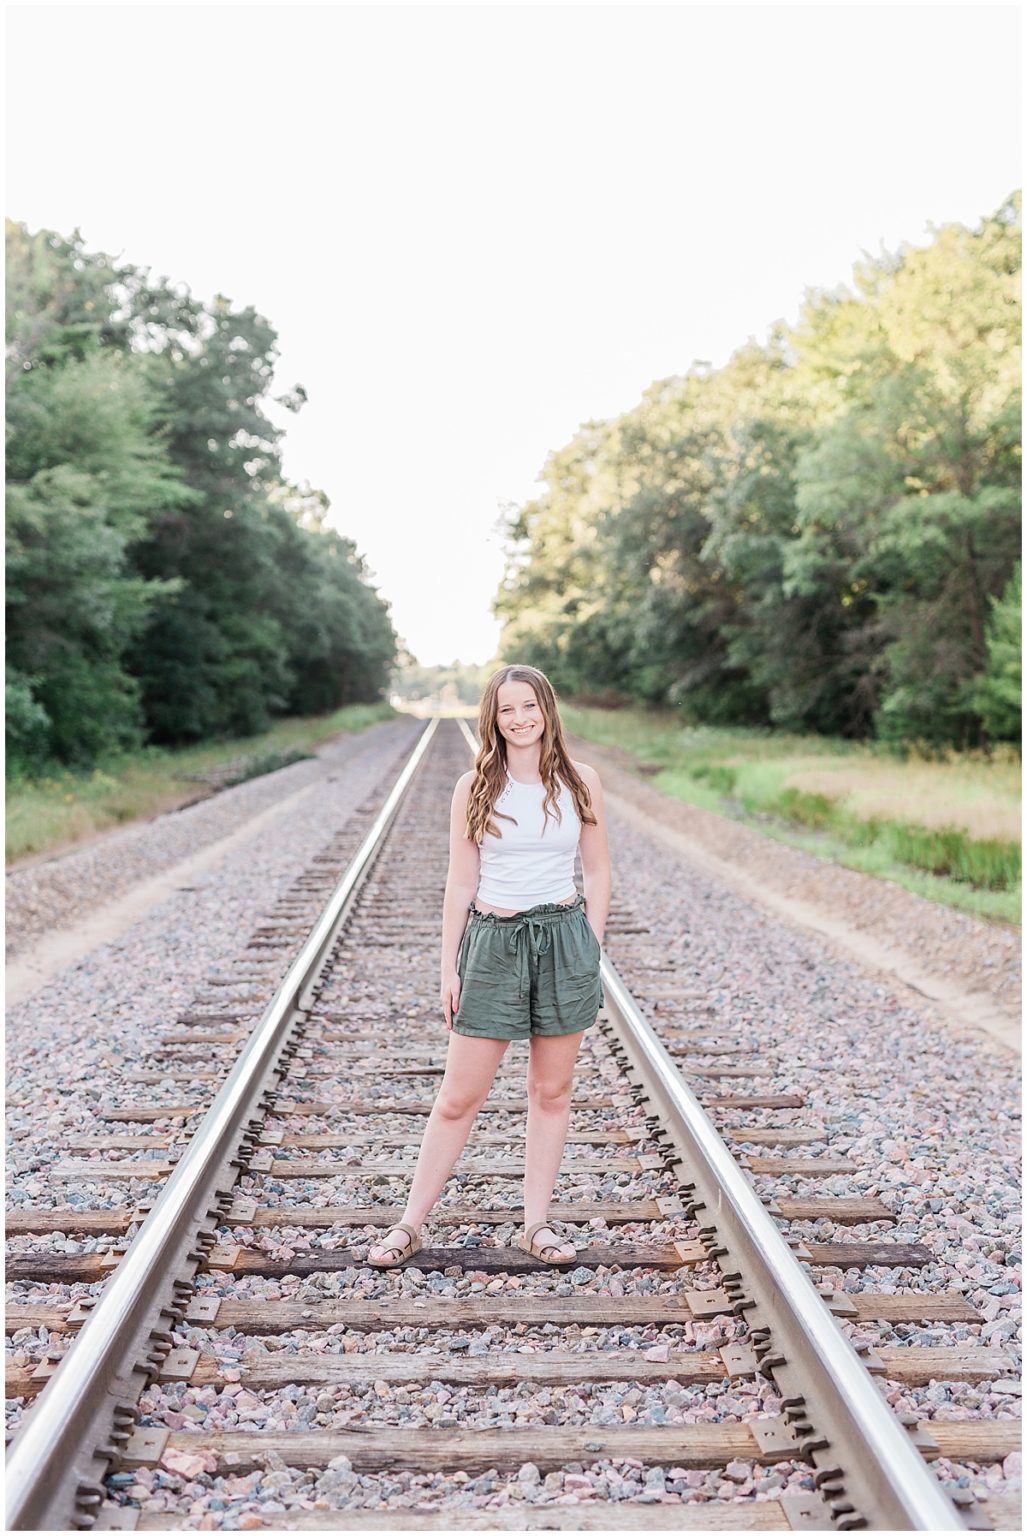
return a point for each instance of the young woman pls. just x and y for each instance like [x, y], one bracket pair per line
[520, 947]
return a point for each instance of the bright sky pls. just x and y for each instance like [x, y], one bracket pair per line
[475, 228]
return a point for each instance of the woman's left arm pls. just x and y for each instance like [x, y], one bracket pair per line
[595, 856]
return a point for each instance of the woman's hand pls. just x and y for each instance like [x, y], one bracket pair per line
[450, 996]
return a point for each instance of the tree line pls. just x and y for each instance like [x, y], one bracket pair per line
[821, 535]
[165, 582]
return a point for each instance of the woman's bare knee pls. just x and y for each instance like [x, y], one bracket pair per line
[456, 1103]
[550, 1093]
[550, 1078]
[470, 1070]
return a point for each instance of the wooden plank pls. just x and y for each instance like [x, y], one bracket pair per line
[686, 1046]
[33, 1314]
[800, 1167]
[270, 1137]
[193, 1037]
[863, 1255]
[480, 1311]
[550, 1367]
[222, 1013]
[413, 1139]
[144, 1114]
[444, 1215]
[170, 1075]
[1004, 1510]
[918, 1366]
[546, 1367]
[322, 1019]
[762, 1136]
[589, 1515]
[342, 1064]
[755, 1101]
[912, 1307]
[311, 1168]
[688, 1445]
[76, 1223]
[489, 1260]
[854, 1211]
[97, 1168]
[495, 1168]
[455, 1450]
[57, 1268]
[140, 1142]
[367, 1048]
[752, 1069]
[982, 1441]
[378, 1107]
[18, 1381]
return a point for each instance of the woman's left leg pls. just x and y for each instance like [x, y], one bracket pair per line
[550, 1081]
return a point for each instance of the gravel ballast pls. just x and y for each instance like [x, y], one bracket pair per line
[930, 1124]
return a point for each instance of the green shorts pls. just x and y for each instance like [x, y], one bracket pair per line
[536, 973]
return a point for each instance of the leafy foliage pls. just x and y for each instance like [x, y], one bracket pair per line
[999, 690]
[811, 536]
[164, 581]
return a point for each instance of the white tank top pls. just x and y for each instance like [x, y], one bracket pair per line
[527, 866]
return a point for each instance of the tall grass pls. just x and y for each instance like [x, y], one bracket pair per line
[758, 777]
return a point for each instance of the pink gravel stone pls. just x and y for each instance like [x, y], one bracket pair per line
[183, 1463]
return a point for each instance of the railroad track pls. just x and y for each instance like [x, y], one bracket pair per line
[240, 1268]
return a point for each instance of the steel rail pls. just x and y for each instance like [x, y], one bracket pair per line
[880, 1474]
[880, 1471]
[56, 1461]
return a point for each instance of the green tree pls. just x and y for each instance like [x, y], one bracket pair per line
[810, 535]
[163, 579]
[998, 693]
[84, 473]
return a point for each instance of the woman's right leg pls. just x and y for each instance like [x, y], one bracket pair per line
[471, 1065]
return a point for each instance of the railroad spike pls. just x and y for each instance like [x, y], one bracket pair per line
[828, 1475]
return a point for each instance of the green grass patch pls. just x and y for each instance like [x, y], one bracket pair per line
[873, 859]
[61, 808]
[746, 776]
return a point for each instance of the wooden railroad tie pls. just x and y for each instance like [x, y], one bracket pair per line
[763, 1442]
[690, 1367]
[483, 1311]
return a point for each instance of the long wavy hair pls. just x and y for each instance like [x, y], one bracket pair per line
[490, 763]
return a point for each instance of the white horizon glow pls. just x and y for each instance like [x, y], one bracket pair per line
[475, 228]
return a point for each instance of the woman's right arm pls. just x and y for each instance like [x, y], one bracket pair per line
[461, 887]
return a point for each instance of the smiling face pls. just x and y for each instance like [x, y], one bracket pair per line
[519, 717]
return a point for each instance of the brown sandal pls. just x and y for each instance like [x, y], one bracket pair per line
[539, 1251]
[402, 1251]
